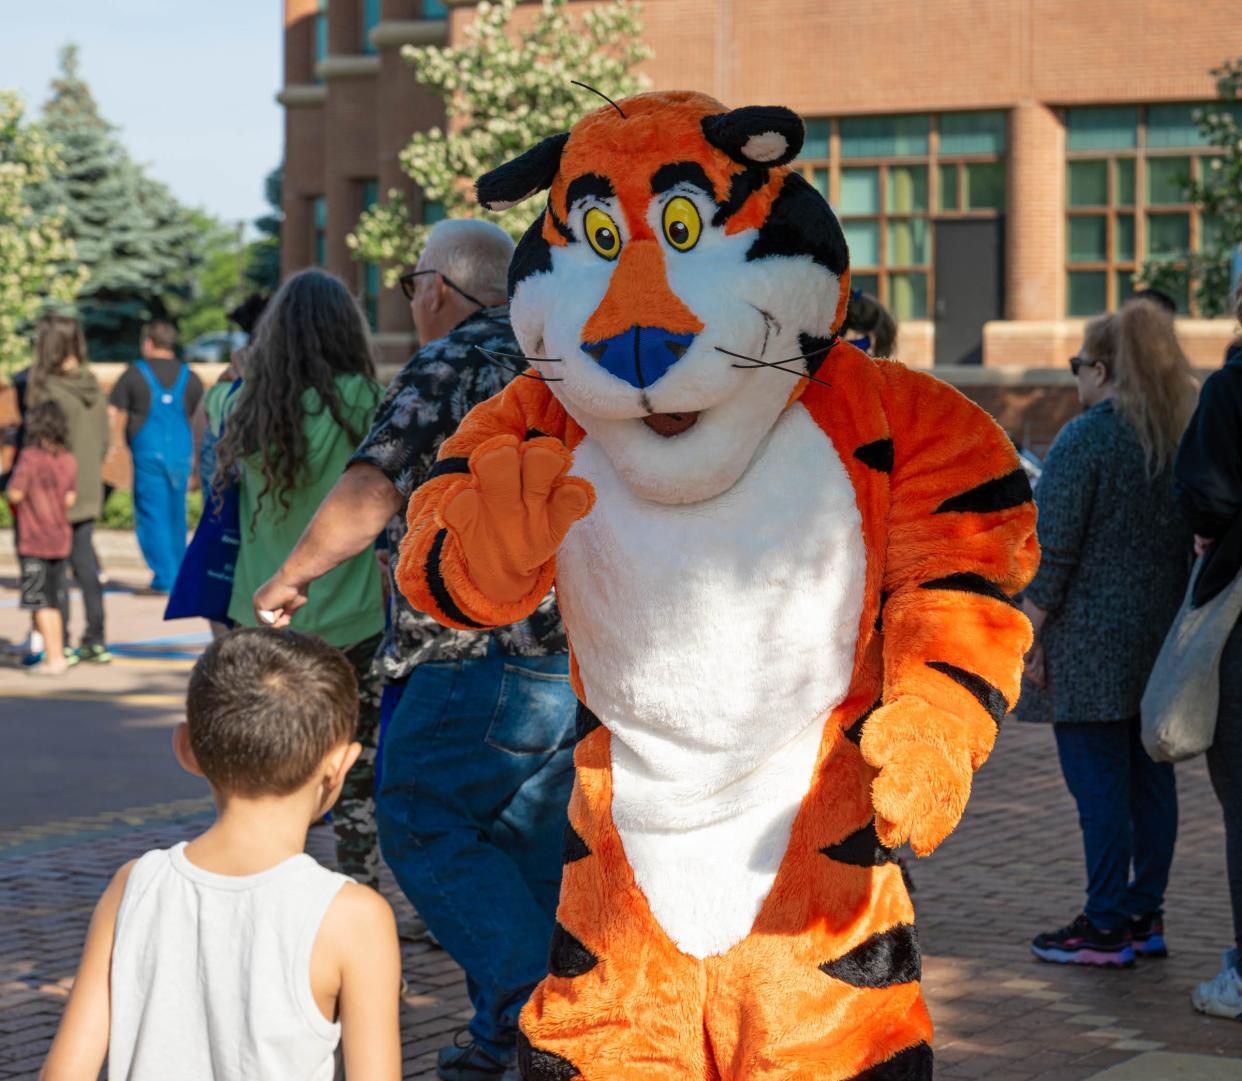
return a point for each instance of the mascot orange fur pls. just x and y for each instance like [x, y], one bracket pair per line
[787, 573]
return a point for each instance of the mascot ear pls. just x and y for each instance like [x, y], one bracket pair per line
[522, 177]
[763, 135]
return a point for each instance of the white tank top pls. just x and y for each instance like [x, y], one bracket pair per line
[211, 974]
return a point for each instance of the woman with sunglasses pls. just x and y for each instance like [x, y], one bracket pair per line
[1116, 557]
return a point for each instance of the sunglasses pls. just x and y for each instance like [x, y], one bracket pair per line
[1077, 362]
[407, 285]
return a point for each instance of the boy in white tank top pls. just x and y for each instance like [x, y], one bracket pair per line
[236, 957]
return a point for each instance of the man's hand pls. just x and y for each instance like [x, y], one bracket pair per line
[925, 773]
[1202, 544]
[1036, 670]
[277, 599]
[513, 513]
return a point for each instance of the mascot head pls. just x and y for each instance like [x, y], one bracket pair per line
[679, 285]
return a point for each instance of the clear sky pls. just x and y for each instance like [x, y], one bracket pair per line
[190, 83]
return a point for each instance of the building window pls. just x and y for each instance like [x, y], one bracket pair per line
[320, 43]
[889, 177]
[1127, 168]
[369, 273]
[435, 9]
[319, 230]
[433, 211]
[370, 11]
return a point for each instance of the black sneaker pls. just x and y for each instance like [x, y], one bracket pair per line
[1147, 931]
[1082, 943]
[467, 1062]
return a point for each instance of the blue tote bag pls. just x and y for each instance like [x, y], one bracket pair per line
[204, 584]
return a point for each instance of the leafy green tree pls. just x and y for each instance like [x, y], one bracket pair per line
[1219, 199]
[141, 246]
[38, 266]
[219, 284]
[503, 92]
[263, 254]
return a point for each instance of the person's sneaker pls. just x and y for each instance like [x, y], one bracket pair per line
[1147, 934]
[1082, 943]
[1221, 996]
[96, 654]
[71, 656]
[467, 1062]
[31, 659]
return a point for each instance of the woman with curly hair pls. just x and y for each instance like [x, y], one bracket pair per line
[307, 401]
[1116, 558]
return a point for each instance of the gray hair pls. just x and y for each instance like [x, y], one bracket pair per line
[474, 254]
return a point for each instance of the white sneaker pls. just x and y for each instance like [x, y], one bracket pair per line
[1221, 996]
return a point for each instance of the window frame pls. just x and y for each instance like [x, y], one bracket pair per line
[1140, 210]
[932, 161]
[369, 282]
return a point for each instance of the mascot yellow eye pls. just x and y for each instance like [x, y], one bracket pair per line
[602, 233]
[682, 224]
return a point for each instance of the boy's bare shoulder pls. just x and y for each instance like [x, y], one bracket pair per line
[358, 909]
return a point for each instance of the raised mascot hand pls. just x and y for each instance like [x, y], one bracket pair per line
[512, 514]
[924, 761]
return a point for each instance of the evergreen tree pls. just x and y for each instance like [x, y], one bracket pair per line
[38, 267]
[263, 255]
[140, 246]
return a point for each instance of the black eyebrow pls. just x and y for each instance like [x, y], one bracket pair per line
[588, 184]
[681, 172]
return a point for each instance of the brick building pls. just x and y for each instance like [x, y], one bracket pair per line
[1001, 167]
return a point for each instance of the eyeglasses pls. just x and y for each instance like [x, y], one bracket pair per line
[407, 285]
[1077, 362]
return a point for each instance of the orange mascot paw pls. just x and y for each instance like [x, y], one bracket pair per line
[925, 773]
[512, 514]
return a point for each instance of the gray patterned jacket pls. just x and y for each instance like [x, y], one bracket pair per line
[1116, 559]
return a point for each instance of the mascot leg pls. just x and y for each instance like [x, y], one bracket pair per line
[621, 1002]
[826, 984]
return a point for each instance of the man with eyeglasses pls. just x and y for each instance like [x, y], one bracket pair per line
[477, 728]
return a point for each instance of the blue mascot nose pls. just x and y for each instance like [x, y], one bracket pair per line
[640, 355]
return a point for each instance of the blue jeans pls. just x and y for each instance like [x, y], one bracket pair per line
[159, 516]
[472, 808]
[1127, 807]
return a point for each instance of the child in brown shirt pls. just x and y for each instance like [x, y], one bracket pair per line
[41, 489]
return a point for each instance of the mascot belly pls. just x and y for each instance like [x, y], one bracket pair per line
[787, 574]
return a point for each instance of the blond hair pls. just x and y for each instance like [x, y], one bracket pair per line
[1154, 388]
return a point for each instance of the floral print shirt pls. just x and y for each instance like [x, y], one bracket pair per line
[425, 403]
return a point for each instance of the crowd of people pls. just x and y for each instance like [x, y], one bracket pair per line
[450, 749]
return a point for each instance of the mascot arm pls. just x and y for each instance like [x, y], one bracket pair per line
[484, 528]
[961, 545]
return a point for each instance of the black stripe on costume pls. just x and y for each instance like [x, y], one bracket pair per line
[884, 960]
[1001, 493]
[567, 957]
[861, 848]
[877, 455]
[800, 223]
[535, 433]
[912, 1064]
[439, 590]
[585, 722]
[573, 847]
[987, 696]
[969, 582]
[536, 1065]
[449, 465]
[854, 732]
[879, 612]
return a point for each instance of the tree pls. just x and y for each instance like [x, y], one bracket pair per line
[503, 92]
[38, 266]
[263, 255]
[218, 284]
[140, 245]
[1219, 199]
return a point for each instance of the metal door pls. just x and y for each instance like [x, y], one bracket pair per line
[969, 285]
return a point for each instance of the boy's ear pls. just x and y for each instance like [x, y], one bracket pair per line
[184, 752]
[341, 761]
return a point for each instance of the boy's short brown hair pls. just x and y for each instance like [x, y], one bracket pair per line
[161, 334]
[265, 706]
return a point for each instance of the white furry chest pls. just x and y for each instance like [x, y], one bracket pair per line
[713, 639]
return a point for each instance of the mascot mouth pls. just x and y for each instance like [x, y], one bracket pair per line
[671, 424]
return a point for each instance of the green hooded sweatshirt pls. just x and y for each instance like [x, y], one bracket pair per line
[80, 396]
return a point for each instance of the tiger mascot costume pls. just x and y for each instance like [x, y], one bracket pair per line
[787, 572]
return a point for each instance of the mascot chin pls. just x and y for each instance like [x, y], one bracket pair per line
[787, 572]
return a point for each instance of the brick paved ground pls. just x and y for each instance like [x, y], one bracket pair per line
[1012, 869]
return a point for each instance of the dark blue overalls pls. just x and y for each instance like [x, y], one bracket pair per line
[162, 450]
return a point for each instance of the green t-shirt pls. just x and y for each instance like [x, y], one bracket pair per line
[346, 605]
